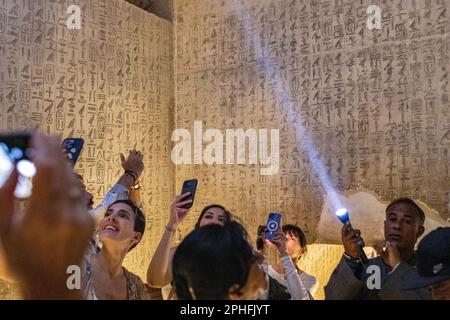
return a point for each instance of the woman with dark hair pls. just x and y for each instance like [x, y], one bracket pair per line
[217, 262]
[159, 273]
[213, 214]
[291, 245]
[104, 277]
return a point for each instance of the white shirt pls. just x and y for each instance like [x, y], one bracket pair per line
[298, 285]
[117, 192]
[308, 283]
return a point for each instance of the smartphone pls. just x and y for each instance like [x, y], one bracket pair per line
[73, 147]
[189, 186]
[273, 224]
[15, 151]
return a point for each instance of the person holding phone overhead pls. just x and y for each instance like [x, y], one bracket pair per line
[290, 242]
[120, 226]
[52, 233]
[159, 273]
[120, 229]
[16, 152]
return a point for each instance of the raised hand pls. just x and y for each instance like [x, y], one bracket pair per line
[279, 241]
[390, 254]
[134, 162]
[53, 232]
[350, 239]
[177, 213]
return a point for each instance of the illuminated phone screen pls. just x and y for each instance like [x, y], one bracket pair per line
[6, 165]
[18, 156]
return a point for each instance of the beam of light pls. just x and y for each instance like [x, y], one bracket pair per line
[302, 137]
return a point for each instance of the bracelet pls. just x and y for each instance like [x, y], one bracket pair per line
[136, 186]
[133, 175]
[170, 229]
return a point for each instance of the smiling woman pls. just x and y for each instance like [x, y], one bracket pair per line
[105, 278]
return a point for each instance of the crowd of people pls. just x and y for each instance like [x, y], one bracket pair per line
[59, 227]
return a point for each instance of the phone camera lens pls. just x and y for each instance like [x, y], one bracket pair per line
[29, 153]
[272, 226]
[16, 153]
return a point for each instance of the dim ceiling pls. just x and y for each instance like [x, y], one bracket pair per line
[161, 8]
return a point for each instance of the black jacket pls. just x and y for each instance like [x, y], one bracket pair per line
[349, 282]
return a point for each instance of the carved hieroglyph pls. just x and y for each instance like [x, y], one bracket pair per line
[374, 103]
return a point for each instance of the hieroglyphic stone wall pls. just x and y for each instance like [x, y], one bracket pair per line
[374, 103]
[111, 82]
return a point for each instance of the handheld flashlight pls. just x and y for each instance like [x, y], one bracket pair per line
[342, 215]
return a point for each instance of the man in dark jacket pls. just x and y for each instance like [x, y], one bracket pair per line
[353, 280]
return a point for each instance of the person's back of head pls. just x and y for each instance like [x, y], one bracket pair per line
[433, 254]
[212, 262]
[433, 264]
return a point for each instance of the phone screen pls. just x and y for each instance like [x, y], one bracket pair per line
[189, 186]
[15, 151]
[6, 166]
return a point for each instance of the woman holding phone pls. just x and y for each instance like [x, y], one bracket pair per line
[290, 242]
[159, 273]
